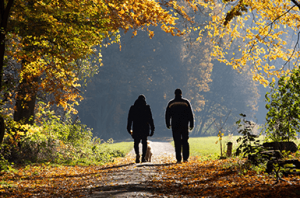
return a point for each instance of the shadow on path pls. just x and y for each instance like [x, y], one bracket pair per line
[135, 180]
[131, 181]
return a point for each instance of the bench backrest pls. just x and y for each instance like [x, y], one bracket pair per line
[287, 146]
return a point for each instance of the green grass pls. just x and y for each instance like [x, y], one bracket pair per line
[200, 146]
[124, 147]
[206, 146]
[203, 146]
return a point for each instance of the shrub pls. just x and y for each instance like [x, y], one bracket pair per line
[283, 117]
[249, 144]
[56, 140]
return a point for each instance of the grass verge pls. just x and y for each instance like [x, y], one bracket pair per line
[123, 147]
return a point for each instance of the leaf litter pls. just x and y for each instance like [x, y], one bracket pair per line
[161, 178]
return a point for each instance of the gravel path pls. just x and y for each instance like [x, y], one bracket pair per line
[134, 179]
[158, 149]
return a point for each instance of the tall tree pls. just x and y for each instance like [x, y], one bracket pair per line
[54, 39]
[54, 35]
[5, 7]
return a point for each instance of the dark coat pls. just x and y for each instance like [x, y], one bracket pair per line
[140, 118]
[180, 112]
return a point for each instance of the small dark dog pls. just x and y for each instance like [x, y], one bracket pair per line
[149, 152]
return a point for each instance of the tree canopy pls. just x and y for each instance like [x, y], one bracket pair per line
[51, 37]
[49, 48]
[55, 45]
[53, 42]
[269, 31]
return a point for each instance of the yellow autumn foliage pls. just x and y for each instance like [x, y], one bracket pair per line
[268, 29]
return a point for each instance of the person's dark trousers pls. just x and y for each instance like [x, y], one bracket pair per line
[181, 140]
[136, 146]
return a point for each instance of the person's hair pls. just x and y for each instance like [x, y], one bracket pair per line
[178, 92]
[142, 97]
[141, 101]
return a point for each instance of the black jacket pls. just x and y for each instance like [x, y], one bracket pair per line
[140, 118]
[180, 112]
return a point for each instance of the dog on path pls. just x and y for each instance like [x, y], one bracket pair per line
[148, 152]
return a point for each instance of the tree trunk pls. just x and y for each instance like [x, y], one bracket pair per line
[25, 100]
[2, 129]
[24, 108]
[4, 16]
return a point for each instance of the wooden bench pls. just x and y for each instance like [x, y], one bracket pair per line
[274, 154]
[287, 146]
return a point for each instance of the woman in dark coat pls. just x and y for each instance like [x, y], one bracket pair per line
[140, 119]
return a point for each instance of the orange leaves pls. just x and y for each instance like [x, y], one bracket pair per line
[135, 14]
[56, 39]
[47, 181]
[212, 179]
[151, 33]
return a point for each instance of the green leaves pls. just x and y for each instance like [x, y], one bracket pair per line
[283, 105]
[248, 141]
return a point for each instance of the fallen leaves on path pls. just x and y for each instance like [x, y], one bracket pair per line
[196, 178]
[57, 181]
[213, 179]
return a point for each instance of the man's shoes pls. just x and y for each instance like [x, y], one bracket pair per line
[143, 159]
[178, 162]
[137, 159]
[184, 161]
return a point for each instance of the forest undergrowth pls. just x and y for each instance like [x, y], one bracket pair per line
[208, 178]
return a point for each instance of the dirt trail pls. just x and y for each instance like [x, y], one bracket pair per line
[158, 149]
[133, 179]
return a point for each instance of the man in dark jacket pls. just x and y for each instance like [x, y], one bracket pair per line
[140, 118]
[180, 113]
